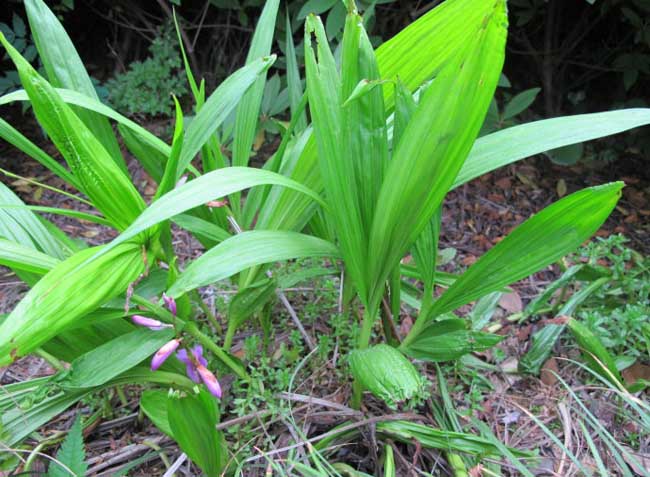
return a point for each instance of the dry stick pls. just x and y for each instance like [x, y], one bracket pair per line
[126, 453]
[281, 296]
[176, 465]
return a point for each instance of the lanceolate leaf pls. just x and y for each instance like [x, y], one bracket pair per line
[100, 178]
[248, 110]
[211, 186]
[217, 108]
[56, 301]
[65, 69]
[114, 357]
[246, 250]
[510, 145]
[435, 144]
[19, 257]
[538, 242]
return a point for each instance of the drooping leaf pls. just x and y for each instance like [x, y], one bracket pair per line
[19, 257]
[68, 292]
[538, 242]
[246, 250]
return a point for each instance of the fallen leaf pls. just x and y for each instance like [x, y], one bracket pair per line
[549, 371]
[561, 188]
[635, 372]
[511, 302]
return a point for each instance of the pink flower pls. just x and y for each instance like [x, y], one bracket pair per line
[163, 353]
[149, 322]
[210, 380]
[191, 362]
[170, 302]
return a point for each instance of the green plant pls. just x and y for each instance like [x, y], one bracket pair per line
[393, 130]
[147, 86]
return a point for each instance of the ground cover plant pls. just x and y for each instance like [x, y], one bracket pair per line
[392, 131]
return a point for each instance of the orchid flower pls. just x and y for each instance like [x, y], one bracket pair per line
[195, 365]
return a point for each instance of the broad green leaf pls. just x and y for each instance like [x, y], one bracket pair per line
[217, 108]
[114, 357]
[386, 373]
[65, 69]
[100, 178]
[211, 186]
[542, 343]
[250, 300]
[20, 257]
[192, 420]
[447, 340]
[316, 7]
[510, 145]
[71, 454]
[246, 250]
[435, 144]
[67, 293]
[541, 240]
[445, 31]
[520, 102]
[154, 404]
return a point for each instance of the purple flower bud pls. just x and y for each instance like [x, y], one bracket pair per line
[210, 380]
[163, 353]
[149, 322]
[170, 302]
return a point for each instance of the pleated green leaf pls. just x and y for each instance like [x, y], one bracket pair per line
[211, 186]
[65, 69]
[435, 144]
[192, 419]
[541, 240]
[246, 250]
[68, 292]
[20, 225]
[248, 110]
[27, 259]
[447, 340]
[518, 142]
[386, 373]
[100, 178]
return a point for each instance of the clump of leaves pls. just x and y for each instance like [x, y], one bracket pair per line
[147, 87]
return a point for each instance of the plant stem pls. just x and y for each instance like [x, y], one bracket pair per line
[218, 351]
[367, 323]
[52, 360]
[206, 309]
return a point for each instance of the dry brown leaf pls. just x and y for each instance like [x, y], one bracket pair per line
[511, 302]
[549, 371]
